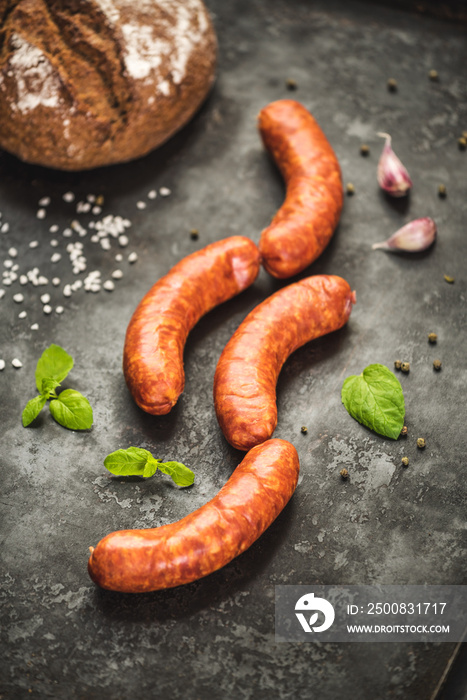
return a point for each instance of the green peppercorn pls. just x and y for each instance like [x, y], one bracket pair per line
[344, 473]
[405, 367]
[350, 189]
[437, 365]
[398, 364]
[421, 443]
[442, 192]
[304, 429]
[392, 85]
[432, 337]
[405, 461]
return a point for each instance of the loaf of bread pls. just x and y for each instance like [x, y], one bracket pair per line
[86, 83]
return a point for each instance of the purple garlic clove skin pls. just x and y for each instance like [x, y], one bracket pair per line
[414, 237]
[393, 177]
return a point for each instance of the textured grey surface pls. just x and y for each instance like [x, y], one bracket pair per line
[64, 638]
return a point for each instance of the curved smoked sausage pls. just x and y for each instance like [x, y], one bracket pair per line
[304, 224]
[136, 561]
[157, 332]
[249, 366]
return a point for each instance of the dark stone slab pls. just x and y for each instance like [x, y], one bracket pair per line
[64, 638]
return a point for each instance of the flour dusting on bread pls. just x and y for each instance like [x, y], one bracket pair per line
[37, 82]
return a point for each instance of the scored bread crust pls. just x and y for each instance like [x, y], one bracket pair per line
[87, 83]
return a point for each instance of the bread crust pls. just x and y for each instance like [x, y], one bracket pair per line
[87, 83]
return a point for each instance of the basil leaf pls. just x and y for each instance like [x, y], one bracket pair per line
[72, 410]
[32, 409]
[131, 462]
[48, 386]
[375, 399]
[180, 474]
[54, 363]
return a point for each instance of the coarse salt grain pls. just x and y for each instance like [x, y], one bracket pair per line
[133, 257]
[91, 198]
[47, 309]
[141, 205]
[83, 207]
[55, 257]
[2, 293]
[44, 202]
[164, 191]
[12, 252]
[119, 257]
[45, 298]
[152, 194]
[5, 228]
[53, 229]
[123, 241]
[7, 263]
[35, 327]
[56, 281]
[117, 274]
[23, 279]
[34, 244]
[59, 310]
[41, 213]
[54, 243]
[2, 365]
[67, 292]
[68, 197]
[67, 233]
[16, 363]
[18, 298]
[96, 210]
[109, 286]
[22, 314]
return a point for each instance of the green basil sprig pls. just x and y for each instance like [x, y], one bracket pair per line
[69, 408]
[375, 399]
[135, 461]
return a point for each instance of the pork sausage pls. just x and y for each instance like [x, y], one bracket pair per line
[157, 332]
[248, 368]
[304, 224]
[136, 561]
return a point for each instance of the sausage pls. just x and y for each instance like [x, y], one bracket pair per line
[157, 332]
[304, 224]
[137, 561]
[248, 368]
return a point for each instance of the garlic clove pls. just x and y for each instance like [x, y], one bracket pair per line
[414, 237]
[392, 175]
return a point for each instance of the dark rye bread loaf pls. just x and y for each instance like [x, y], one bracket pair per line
[85, 83]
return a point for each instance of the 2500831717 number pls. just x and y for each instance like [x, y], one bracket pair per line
[405, 608]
